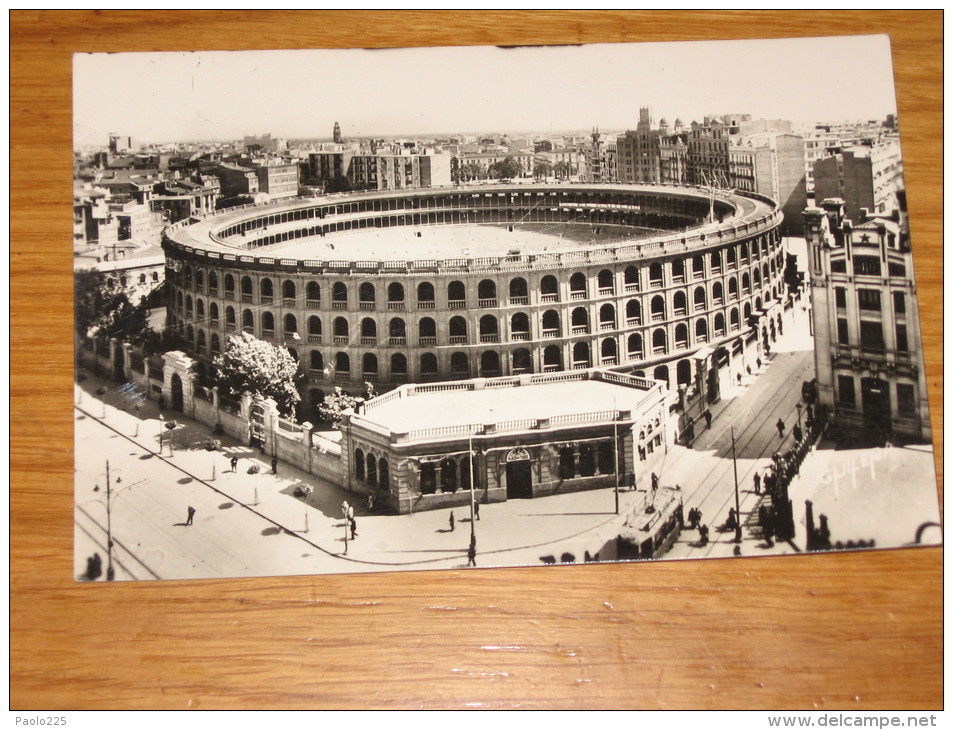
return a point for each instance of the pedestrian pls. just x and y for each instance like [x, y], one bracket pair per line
[693, 518]
[654, 482]
[471, 556]
[703, 534]
[94, 567]
[353, 528]
[757, 482]
[707, 419]
[274, 464]
[234, 463]
[780, 425]
[737, 551]
[798, 434]
[451, 521]
[739, 378]
[345, 509]
[370, 501]
[759, 363]
[188, 520]
[476, 510]
[732, 522]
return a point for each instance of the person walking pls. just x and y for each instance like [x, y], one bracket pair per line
[188, 520]
[703, 534]
[451, 521]
[234, 463]
[476, 510]
[757, 482]
[707, 419]
[654, 482]
[353, 528]
[471, 556]
[274, 464]
[780, 426]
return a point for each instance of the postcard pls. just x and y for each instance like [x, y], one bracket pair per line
[345, 311]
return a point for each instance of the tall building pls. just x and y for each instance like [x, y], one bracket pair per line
[864, 177]
[868, 355]
[337, 133]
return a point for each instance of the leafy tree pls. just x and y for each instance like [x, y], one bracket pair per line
[541, 170]
[562, 170]
[507, 168]
[333, 407]
[250, 364]
[103, 309]
[472, 171]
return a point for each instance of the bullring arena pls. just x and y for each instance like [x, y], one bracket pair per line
[450, 283]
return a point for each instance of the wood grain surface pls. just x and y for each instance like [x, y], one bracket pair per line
[850, 631]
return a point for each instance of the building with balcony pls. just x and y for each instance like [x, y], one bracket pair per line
[866, 323]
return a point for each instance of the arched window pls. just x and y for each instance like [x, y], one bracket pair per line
[230, 285]
[717, 293]
[609, 351]
[398, 364]
[248, 320]
[580, 355]
[606, 282]
[359, 464]
[577, 286]
[701, 298]
[341, 330]
[519, 326]
[631, 278]
[489, 363]
[458, 330]
[519, 291]
[368, 329]
[678, 271]
[567, 463]
[522, 361]
[606, 317]
[313, 293]
[369, 364]
[553, 358]
[267, 290]
[635, 346]
[314, 329]
[457, 294]
[551, 326]
[679, 305]
[395, 293]
[747, 311]
[199, 280]
[213, 313]
[489, 329]
[683, 372]
[659, 344]
[732, 288]
[200, 341]
[486, 290]
[681, 335]
[427, 330]
[428, 364]
[212, 282]
[317, 361]
[230, 317]
[291, 324]
[188, 305]
[580, 320]
[398, 331]
[587, 461]
[716, 260]
[448, 475]
[655, 275]
[633, 312]
[339, 292]
[366, 293]
[734, 318]
[658, 308]
[425, 293]
[216, 343]
[342, 362]
[459, 365]
[267, 323]
[661, 373]
[746, 283]
[731, 256]
[701, 330]
[371, 463]
[383, 474]
[756, 275]
[199, 310]
[549, 288]
[288, 289]
[719, 324]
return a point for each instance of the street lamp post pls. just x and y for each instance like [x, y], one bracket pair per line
[734, 462]
[472, 493]
[798, 406]
[110, 571]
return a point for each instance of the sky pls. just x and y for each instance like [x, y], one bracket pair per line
[226, 95]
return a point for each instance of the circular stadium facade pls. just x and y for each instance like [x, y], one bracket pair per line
[447, 283]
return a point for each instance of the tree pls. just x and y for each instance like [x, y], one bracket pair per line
[332, 408]
[472, 171]
[250, 364]
[562, 170]
[541, 170]
[506, 169]
[103, 309]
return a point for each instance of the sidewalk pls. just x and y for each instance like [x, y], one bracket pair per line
[517, 532]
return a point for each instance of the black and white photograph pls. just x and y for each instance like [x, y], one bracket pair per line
[354, 311]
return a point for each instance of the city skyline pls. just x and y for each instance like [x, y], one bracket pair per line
[467, 90]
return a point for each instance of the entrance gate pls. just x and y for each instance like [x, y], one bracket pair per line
[519, 474]
[256, 426]
[177, 400]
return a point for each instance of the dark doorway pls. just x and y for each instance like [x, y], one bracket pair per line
[875, 399]
[177, 403]
[519, 479]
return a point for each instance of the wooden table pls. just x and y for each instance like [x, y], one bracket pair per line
[848, 631]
